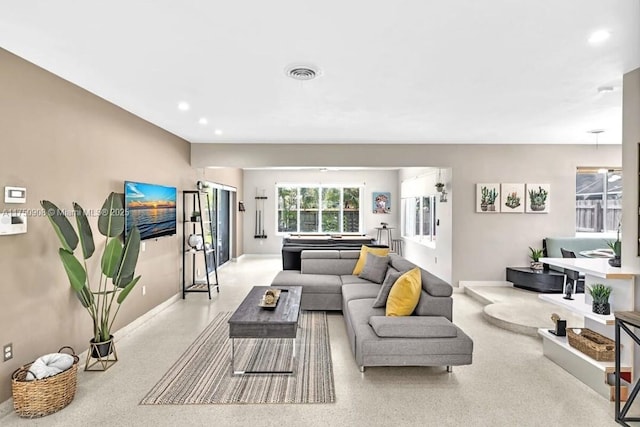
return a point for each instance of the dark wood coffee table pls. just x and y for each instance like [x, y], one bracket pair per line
[252, 321]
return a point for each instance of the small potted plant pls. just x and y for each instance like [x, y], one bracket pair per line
[439, 187]
[600, 294]
[535, 255]
[194, 216]
[616, 247]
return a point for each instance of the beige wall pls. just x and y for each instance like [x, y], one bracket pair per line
[65, 144]
[630, 213]
[482, 244]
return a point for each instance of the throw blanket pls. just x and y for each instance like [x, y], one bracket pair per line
[49, 365]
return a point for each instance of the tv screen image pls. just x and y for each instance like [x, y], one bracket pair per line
[151, 207]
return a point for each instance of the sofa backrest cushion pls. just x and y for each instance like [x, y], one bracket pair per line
[430, 283]
[328, 262]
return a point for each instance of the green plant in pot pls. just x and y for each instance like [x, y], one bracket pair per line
[117, 264]
[600, 294]
[535, 255]
[616, 247]
[194, 216]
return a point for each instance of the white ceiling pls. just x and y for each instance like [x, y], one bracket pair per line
[412, 71]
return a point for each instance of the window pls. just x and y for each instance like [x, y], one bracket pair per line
[419, 218]
[311, 209]
[598, 200]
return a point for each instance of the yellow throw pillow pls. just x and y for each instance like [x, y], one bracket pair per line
[404, 294]
[364, 250]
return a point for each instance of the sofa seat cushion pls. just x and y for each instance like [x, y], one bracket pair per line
[388, 349]
[311, 283]
[413, 327]
[359, 291]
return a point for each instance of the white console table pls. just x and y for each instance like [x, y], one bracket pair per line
[597, 375]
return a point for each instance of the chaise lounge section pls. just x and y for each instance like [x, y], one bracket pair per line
[426, 338]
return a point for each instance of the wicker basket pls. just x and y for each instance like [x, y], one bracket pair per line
[45, 396]
[592, 344]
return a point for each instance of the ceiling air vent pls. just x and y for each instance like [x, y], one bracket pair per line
[302, 72]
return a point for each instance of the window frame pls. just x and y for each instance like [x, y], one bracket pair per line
[413, 218]
[320, 208]
[607, 230]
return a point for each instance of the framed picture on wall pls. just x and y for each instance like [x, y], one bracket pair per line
[512, 198]
[537, 198]
[381, 202]
[487, 198]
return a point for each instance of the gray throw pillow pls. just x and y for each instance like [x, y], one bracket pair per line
[383, 293]
[375, 268]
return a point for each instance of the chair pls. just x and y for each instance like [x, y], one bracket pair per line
[574, 278]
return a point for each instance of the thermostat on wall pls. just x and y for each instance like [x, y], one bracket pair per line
[15, 195]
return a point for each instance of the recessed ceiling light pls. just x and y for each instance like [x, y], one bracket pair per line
[203, 121]
[183, 106]
[217, 132]
[599, 36]
[605, 89]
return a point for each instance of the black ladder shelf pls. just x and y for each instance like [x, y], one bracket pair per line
[193, 227]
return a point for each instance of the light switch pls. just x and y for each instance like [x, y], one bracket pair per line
[15, 195]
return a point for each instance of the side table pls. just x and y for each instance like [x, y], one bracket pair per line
[382, 231]
[625, 320]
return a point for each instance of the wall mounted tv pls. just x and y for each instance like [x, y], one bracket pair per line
[151, 207]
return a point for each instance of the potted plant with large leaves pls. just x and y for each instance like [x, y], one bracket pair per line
[117, 265]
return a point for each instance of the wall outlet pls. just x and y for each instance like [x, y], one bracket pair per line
[143, 246]
[198, 272]
[7, 352]
[144, 290]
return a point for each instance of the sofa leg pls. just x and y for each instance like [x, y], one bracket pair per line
[361, 368]
[449, 368]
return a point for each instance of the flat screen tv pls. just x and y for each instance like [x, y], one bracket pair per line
[151, 207]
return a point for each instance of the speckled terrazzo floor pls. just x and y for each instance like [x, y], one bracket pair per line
[510, 382]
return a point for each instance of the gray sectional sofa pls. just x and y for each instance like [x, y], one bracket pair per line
[426, 338]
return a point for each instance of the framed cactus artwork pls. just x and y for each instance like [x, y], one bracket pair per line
[487, 198]
[537, 198]
[512, 198]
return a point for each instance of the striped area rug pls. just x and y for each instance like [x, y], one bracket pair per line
[202, 375]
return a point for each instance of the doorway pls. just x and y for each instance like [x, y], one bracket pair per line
[222, 214]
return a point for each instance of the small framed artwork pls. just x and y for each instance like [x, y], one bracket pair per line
[381, 202]
[537, 198]
[487, 198]
[512, 198]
